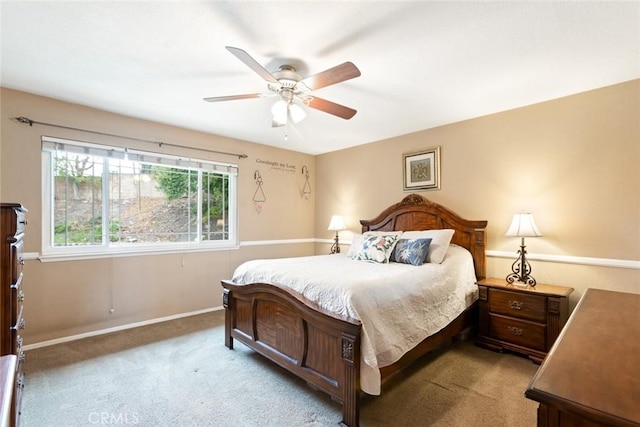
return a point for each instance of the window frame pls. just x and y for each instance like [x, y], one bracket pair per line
[106, 248]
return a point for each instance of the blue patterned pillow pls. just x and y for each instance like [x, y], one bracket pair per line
[411, 251]
[376, 248]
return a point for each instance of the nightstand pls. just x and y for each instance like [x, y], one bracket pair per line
[525, 320]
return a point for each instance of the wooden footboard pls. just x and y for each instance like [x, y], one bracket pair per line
[313, 344]
[293, 332]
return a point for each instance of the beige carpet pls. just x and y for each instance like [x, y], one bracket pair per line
[179, 373]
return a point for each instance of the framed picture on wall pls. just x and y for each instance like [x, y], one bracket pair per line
[422, 169]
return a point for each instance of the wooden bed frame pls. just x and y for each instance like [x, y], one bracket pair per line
[323, 348]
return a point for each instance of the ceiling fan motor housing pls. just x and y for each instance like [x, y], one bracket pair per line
[288, 79]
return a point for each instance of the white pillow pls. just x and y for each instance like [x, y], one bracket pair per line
[356, 243]
[440, 240]
[376, 246]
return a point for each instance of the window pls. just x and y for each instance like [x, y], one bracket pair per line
[108, 199]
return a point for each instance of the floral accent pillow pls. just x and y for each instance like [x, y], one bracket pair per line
[411, 251]
[376, 247]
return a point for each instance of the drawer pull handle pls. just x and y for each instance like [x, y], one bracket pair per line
[516, 305]
[21, 296]
[515, 331]
[22, 357]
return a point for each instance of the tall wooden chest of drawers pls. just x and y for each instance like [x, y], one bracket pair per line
[12, 225]
[524, 320]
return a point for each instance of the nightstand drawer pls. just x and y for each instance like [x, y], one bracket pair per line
[519, 332]
[520, 305]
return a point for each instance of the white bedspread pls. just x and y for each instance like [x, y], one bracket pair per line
[399, 305]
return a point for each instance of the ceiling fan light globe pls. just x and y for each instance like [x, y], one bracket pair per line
[297, 113]
[279, 111]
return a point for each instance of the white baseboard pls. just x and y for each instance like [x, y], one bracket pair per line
[117, 328]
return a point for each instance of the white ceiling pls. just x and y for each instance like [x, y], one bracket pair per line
[423, 64]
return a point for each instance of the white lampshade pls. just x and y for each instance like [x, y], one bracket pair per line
[297, 113]
[337, 223]
[282, 109]
[523, 226]
[279, 111]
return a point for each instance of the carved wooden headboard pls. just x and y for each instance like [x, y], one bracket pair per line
[415, 212]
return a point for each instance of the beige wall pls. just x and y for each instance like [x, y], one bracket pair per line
[74, 297]
[573, 162]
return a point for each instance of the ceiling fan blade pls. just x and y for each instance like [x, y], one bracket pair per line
[234, 97]
[337, 74]
[330, 107]
[252, 63]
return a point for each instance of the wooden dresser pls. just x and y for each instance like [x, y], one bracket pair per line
[7, 387]
[12, 224]
[526, 320]
[591, 376]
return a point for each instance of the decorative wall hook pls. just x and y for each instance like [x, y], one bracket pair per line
[306, 189]
[258, 196]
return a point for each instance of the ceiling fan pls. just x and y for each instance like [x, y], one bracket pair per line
[287, 84]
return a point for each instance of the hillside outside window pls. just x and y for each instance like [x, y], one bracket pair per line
[108, 199]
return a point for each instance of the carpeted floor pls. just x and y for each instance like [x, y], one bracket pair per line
[179, 373]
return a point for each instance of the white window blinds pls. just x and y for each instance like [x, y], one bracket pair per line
[55, 144]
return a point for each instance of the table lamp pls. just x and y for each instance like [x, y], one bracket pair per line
[336, 224]
[522, 226]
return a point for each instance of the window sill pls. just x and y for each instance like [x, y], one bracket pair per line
[87, 254]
